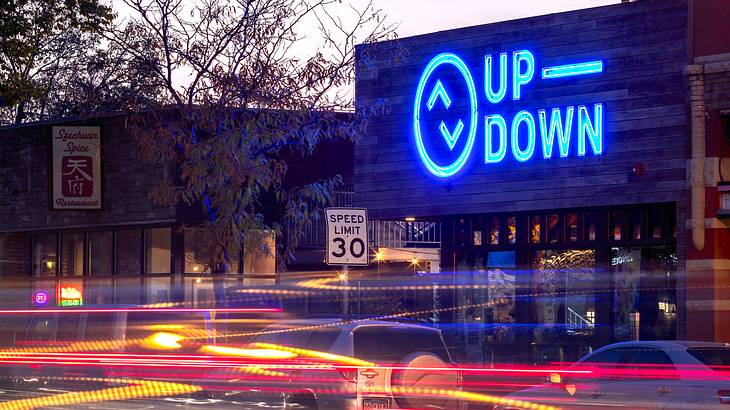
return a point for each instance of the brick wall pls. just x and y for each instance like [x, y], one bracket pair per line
[127, 180]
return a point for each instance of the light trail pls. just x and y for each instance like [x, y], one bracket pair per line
[142, 309]
[136, 389]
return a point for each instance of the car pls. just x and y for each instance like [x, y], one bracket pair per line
[640, 375]
[401, 357]
[116, 330]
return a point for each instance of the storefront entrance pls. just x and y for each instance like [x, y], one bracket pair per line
[552, 286]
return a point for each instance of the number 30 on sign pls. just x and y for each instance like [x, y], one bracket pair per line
[347, 236]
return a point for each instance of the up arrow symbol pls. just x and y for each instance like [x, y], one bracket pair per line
[439, 92]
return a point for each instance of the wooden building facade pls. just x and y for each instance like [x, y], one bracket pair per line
[554, 151]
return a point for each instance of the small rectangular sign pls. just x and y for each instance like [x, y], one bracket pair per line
[347, 236]
[76, 167]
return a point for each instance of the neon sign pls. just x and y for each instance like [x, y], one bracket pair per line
[40, 298]
[552, 126]
[69, 295]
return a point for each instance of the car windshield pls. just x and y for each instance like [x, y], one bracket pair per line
[711, 356]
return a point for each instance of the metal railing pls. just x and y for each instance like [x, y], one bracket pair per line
[314, 234]
[405, 234]
[392, 234]
[575, 320]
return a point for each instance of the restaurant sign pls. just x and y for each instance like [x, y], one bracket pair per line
[454, 112]
[76, 167]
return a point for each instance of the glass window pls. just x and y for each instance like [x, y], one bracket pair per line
[565, 281]
[494, 230]
[477, 238]
[610, 357]
[553, 228]
[635, 223]
[711, 356]
[99, 245]
[195, 254]
[99, 291]
[657, 221]
[45, 255]
[72, 254]
[535, 226]
[157, 250]
[14, 251]
[571, 227]
[128, 291]
[589, 226]
[129, 246]
[195, 261]
[158, 290]
[617, 225]
[512, 229]
[369, 345]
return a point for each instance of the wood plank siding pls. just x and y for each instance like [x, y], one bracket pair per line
[643, 46]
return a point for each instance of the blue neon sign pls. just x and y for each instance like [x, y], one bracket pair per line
[519, 135]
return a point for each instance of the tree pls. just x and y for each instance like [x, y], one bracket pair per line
[44, 43]
[238, 97]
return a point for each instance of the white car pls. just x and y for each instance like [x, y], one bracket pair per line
[640, 375]
[410, 348]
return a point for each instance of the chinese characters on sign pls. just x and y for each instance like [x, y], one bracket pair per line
[76, 153]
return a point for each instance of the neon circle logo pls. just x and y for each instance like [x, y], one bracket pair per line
[451, 134]
[41, 298]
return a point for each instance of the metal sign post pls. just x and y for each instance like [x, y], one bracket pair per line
[347, 243]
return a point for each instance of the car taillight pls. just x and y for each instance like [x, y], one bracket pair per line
[349, 375]
[723, 396]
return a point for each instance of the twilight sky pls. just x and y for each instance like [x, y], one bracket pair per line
[425, 16]
[415, 17]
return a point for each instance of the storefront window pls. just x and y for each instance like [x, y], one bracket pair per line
[494, 231]
[657, 222]
[477, 238]
[99, 291]
[195, 256]
[157, 246]
[45, 255]
[616, 224]
[511, 230]
[128, 291]
[571, 227]
[157, 290]
[553, 231]
[565, 283]
[589, 223]
[535, 226]
[195, 261]
[99, 245]
[635, 222]
[645, 292]
[72, 254]
[129, 247]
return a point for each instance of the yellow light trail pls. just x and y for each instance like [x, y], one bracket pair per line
[472, 397]
[316, 354]
[265, 353]
[136, 389]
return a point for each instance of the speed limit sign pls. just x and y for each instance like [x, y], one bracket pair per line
[347, 236]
